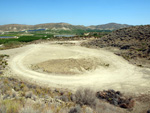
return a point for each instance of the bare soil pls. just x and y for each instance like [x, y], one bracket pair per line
[68, 66]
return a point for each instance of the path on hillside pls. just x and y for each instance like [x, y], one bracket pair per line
[120, 75]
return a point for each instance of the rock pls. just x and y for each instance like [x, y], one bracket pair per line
[148, 111]
[123, 105]
[116, 98]
[115, 101]
[125, 47]
[118, 92]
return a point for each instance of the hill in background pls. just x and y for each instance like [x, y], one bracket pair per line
[61, 26]
[109, 26]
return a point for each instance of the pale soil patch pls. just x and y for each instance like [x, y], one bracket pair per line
[68, 66]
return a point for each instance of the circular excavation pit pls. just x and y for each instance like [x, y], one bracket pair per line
[74, 66]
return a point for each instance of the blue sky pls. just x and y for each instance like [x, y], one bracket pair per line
[76, 12]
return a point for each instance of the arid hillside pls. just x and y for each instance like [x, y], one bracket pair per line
[134, 43]
[109, 26]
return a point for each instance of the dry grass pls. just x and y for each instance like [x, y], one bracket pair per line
[10, 106]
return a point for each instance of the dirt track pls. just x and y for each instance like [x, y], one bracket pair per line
[119, 75]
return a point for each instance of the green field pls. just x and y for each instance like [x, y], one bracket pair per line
[36, 35]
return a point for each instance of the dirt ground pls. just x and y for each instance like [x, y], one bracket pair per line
[93, 68]
[68, 66]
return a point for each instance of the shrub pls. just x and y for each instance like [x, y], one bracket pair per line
[12, 44]
[63, 98]
[29, 94]
[76, 109]
[85, 97]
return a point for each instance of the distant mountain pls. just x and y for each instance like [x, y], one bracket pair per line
[14, 27]
[109, 26]
[59, 26]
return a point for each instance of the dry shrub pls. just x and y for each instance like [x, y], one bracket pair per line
[29, 94]
[76, 109]
[85, 97]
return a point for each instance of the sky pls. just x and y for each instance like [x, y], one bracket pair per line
[76, 12]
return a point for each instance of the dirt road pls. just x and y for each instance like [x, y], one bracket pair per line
[119, 75]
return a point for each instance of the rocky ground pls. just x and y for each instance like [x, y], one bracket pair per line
[134, 43]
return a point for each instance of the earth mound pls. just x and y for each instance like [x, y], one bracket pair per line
[68, 66]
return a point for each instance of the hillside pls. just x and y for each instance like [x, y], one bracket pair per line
[60, 26]
[14, 27]
[109, 26]
[134, 43]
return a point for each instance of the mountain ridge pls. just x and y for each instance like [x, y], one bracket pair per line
[63, 26]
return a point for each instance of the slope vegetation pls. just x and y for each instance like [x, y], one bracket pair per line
[134, 43]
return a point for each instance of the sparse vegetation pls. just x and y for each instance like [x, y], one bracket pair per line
[85, 97]
[76, 109]
[21, 97]
[132, 41]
